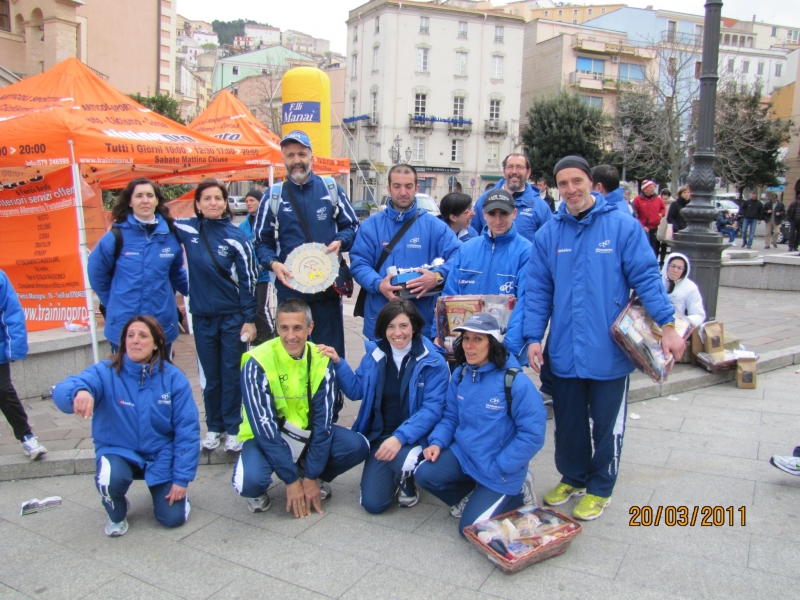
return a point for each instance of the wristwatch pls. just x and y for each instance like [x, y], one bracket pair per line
[439, 278]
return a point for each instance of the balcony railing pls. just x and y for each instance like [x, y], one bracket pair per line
[498, 38]
[96, 72]
[602, 46]
[600, 81]
[492, 127]
[462, 34]
[419, 122]
[373, 120]
[678, 37]
[459, 127]
[424, 30]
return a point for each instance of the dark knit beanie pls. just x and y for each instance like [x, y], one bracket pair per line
[255, 194]
[573, 162]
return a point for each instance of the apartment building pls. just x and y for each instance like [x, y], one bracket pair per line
[37, 34]
[560, 12]
[438, 85]
[263, 34]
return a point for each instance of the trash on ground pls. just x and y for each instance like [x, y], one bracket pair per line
[673, 398]
[634, 416]
[36, 505]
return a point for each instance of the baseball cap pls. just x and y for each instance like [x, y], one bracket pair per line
[499, 199]
[482, 323]
[647, 183]
[297, 136]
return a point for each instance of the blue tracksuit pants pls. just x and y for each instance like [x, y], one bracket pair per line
[219, 350]
[381, 478]
[252, 474]
[575, 401]
[115, 475]
[445, 480]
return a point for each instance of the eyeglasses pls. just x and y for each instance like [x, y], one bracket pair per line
[677, 267]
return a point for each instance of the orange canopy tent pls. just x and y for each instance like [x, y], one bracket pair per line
[69, 115]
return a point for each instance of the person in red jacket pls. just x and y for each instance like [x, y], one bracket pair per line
[649, 209]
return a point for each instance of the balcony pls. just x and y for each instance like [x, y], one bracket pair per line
[459, 128]
[498, 39]
[604, 47]
[492, 127]
[425, 30]
[599, 82]
[418, 122]
[683, 39]
[373, 121]
[350, 125]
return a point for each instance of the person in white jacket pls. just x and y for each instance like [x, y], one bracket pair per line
[682, 291]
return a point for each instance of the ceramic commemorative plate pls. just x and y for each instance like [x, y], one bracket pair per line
[312, 270]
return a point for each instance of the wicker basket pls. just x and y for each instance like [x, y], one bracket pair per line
[537, 555]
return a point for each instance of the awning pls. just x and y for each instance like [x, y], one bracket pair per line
[492, 177]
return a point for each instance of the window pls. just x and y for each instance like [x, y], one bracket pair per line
[774, 32]
[377, 24]
[560, 12]
[591, 65]
[355, 34]
[760, 69]
[749, 42]
[734, 40]
[672, 31]
[698, 69]
[420, 102]
[374, 114]
[499, 31]
[422, 60]
[458, 107]
[593, 101]
[375, 57]
[726, 40]
[418, 149]
[493, 154]
[602, 11]
[373, 151]
[631, 72]
[461, 63]
[235, 70]
[355, 65]
[745, 66]
[462, 29]
[778, 69]
[456, 151]
[698, 31]
[497, 67]
[590, 11]
[494, 111]
[352, 106]
[792, 36]
[574, 21]
[424, 24]
[5, 16]
[741, 41]
[546, 13]
[574, 11]
[731, 65]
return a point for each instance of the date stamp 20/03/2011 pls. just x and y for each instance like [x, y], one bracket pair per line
[683, 516]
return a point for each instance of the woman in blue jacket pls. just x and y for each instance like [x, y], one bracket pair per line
[136, 269]
[222, 301]
[455, 209]
[478, 454]
[264, 324]
[144, 424]
[402, 380]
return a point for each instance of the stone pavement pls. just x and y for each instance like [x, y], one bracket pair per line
[706, 448]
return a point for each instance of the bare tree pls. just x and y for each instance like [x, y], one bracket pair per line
[262, 95]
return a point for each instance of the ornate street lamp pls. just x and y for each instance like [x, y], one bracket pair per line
[626, 133]
[394, 152]
[699, 241]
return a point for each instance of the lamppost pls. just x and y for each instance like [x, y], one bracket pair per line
[394, 152]
[626, 133]
[699, 241]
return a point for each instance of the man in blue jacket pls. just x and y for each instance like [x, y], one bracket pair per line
[494, 263]
[606, 183]
[532, 211]
[427, 238]
[330, 221]
[582, 268]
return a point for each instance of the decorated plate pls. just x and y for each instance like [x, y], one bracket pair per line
[312, 270]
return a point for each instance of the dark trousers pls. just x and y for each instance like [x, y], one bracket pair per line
[252, 474]
[219, 350]
[115, 475]
[381, 478]
[662, 253]
[545, 374]
[445, 480]
[575, 401]
[794, 235]
[655, 244]
[11, 406]
[264, 326]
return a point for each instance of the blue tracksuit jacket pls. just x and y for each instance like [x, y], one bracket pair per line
[13, 334]
[313, 198]
[616, 198]
[492, 448]
[263, 274]
[467, 234]
[426, 381]
[580, 276]
[263, 417]
[145, 277]
[492, 265]
[145, 415]
[532, 211]
[212, 294]
[427, 239]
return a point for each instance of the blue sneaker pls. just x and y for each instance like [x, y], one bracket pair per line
[116, 529]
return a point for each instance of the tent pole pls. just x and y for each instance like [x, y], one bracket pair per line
[83, 251]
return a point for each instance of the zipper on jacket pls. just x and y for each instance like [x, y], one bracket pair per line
[144, 374]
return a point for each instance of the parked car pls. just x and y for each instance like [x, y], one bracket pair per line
[363, 209]
[723, 204]
[423, 201]
[237, 204]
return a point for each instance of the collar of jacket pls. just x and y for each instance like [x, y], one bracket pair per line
[301, 187]
[600, 206]
[489, 367]
[528, 196]
[133, 224]
[401, 217]
[615, 197]
[418, 349]
[135, 369]
[503, 238]
[225, 220]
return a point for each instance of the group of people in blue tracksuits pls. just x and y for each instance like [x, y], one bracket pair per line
[464, 432]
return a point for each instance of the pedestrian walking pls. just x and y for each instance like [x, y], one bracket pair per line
[137, 267]
[222, 301]
[14, 346]
[774, 213]
[649, 208]
[751, 214]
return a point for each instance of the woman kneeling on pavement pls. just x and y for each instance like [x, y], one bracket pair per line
[493, 425]
[145, 424]
[403, 381]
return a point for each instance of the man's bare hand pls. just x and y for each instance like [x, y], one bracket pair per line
[535, 352]
[422, 284]
[388, 290]
[334, 247]
[672, 343]
[312, 494]
[389, 449]
[281, 272]
[295, 499]
[431, 453]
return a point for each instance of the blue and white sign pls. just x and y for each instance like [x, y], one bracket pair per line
[472, 182]
[300, 112]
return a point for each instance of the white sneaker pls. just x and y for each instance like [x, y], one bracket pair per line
[31, 447]
[116, 529]
[457, 510]
[211, 441]
[259, 504]
[232, 444]
[325, 490]
[528, 495]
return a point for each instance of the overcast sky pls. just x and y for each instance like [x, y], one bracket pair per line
[325, 18]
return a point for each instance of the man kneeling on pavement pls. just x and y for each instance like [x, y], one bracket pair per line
[288, 391]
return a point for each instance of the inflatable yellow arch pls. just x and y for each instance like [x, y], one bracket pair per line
[307, 106]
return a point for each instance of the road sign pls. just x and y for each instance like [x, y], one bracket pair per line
[452, 181]
[472, 182]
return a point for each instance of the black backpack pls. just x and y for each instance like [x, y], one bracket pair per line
[117, 251]
[508, 381]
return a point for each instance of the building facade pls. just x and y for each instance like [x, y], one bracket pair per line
[557, 11]
[263, 34]
[438, 83]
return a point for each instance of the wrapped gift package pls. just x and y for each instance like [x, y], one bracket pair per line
[452, 311]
